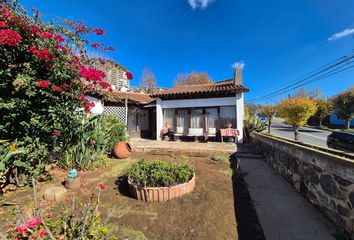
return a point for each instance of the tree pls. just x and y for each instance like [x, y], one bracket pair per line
[268, 111]
[296, 111]
[301, 93]
[44, 78]
[192, 78]
[250, 111]
[148, 80]
[344, 106]
[323, 109]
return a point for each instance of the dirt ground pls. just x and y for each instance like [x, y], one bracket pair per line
[206, 213]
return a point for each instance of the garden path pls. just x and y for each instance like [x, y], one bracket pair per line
[283, 213]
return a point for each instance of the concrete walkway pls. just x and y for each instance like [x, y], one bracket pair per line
[283, 213]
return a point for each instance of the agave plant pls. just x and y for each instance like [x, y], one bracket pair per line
[7, 164]
[257, 125]
[96, 136]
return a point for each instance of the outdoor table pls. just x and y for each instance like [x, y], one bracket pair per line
[229, 132]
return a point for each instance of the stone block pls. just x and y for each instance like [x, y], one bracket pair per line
[55, 194]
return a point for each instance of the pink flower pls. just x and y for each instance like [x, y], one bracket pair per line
[91, 74]
[63, 49]
[42, 232]
[59, 38]
[35, 31]
[88, 106]
[102, 186]
[80, 28]
[33, 223]
[42, 84]
[83, 98]
[57, 89]
[46, 35]
[10, 37]
[104, 84]
[43, 53]
[56, 46]
[98, 31]
[21, 229]
[3, 25]
[111, 49]
[95, 45]
[129, 75]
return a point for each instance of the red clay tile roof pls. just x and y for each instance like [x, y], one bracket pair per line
[214, 89]
[119, 97]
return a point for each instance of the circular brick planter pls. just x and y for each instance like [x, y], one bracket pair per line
[161, 194]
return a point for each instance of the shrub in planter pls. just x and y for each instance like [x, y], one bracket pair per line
[159, 174]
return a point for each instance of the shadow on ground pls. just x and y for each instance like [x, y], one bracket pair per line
[248, 225]
[122, 186]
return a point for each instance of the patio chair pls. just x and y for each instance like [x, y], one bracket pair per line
[195, 132]
[211, 132]
[179, 132]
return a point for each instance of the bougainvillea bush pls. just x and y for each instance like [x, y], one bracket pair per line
[44, 75]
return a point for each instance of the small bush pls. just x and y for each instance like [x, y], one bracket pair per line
[96, 137]
[116, 129]
[159, 174]
[220, 159]
[70, 221]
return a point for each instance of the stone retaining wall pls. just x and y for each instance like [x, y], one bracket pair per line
[326, 180]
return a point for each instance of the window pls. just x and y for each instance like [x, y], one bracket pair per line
[182, 120]
[196, 118]
[227, 114]
[211, 115]
[168, 115]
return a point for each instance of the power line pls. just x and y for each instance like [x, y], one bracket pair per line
[336, 71]
[340, 61]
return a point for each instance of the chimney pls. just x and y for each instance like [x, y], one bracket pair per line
[238, 76]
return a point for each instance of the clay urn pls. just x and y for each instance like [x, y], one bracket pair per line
[122, 150]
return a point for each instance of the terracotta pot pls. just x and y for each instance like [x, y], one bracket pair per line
[122, 150]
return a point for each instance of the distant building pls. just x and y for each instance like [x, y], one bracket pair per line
[115, 73]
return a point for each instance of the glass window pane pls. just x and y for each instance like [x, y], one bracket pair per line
[196, 118]
[182, 121]
[228, 114]
[168, 115]
[211, 115]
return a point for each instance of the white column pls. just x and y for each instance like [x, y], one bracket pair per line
[239, 115]
[159, 119]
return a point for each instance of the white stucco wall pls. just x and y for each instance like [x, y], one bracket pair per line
[240, 112]
[159, 118]
[98, 108]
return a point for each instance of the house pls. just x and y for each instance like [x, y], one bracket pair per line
[192, 110]
[203, 110]
[334, 120]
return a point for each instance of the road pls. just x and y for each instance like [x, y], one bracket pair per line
[307, 135]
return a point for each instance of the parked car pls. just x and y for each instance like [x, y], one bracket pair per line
[342, 140]
[263, 119]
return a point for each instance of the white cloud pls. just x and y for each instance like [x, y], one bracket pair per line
[341, 34]
[239, 64]
[200, 3]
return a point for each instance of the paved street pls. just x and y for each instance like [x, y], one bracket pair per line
[307, 135]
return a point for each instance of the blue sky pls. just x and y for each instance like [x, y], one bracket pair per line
[277, 40]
